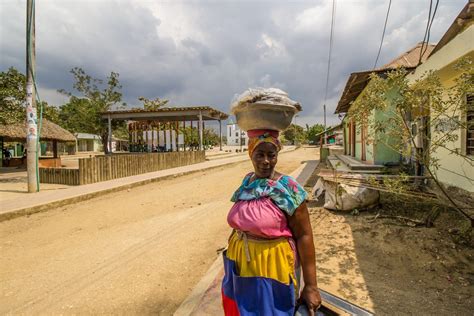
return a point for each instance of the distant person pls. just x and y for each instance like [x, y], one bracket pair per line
[272, 240]
[6, 157]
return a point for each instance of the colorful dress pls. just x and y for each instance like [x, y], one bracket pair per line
[261, 262]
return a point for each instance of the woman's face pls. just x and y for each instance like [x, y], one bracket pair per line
[264, 159]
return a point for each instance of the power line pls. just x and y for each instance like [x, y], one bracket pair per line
[426, 31]
[429, 28]
[429, 23]
[333, 21]
[383, 33]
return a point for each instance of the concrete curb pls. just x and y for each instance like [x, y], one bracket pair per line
[189, 305]
[42, 207]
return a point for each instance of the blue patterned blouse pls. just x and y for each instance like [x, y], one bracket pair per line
[285, 192]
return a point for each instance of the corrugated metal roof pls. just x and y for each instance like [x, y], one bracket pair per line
[464, 19]
[410, 58]
[358, 80]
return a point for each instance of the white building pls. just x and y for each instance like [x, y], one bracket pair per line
[235, 134]
[88, 142]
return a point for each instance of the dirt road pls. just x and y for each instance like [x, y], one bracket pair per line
[139, 251]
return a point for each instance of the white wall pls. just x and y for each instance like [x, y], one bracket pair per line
[233, 135]
[453, 170]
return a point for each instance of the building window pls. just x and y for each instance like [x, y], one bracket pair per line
[470, 125]
[230, 131]
[236, 134]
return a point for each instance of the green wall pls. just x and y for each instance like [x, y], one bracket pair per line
[345, 126]
[376, 152]
[384, 154]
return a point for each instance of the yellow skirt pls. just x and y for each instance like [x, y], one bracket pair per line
[267, 258]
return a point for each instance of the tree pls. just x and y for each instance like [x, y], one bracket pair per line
[406, 104]
[151, 105]
[294, 134]
[84, 114]
[191, 135]
[210, 137]
[312, 131]
[13, 96]
[77, 114]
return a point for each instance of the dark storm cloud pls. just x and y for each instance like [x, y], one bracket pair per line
[203, 52]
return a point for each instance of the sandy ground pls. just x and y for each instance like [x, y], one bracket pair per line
[139, 251]
[142, 251]
[14, 184]
[391, 268]
[13, 180]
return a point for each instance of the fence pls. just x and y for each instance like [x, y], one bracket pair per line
[103, 168]
[59, 176]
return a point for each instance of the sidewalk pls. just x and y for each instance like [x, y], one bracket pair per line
[30, 203]
[205, 299]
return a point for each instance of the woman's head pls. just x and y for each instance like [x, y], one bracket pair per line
[263, 151]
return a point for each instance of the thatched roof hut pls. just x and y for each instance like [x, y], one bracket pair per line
[49, 132]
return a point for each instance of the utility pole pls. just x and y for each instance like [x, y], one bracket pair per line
[324, 135]
[31, 114]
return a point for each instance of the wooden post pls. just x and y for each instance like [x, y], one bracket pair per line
[200, 131]
[81, 171]
[184, 135]
[176, 126]
[109, 121]
[203, 138]
[192, 133]
[145, 141]
[152, 137]
[55, 148]
[220, 135]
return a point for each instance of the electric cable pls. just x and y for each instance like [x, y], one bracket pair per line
[333, 22]
[429, 28]
[383, 33]
[426, 31]
[429, 23]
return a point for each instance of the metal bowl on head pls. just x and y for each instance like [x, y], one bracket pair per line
[264, 116]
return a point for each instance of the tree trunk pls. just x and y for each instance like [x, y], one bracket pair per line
[105, 142]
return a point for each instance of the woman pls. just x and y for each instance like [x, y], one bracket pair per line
[272, 238]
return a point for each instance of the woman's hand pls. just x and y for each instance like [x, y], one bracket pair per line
[303, 233]
[310, 295]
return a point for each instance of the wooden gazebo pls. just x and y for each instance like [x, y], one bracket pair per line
[173, 117]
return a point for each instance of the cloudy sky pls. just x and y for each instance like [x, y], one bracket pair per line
[204, 52]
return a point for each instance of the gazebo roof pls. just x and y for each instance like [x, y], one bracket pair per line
[50, 131]
[168, 114]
